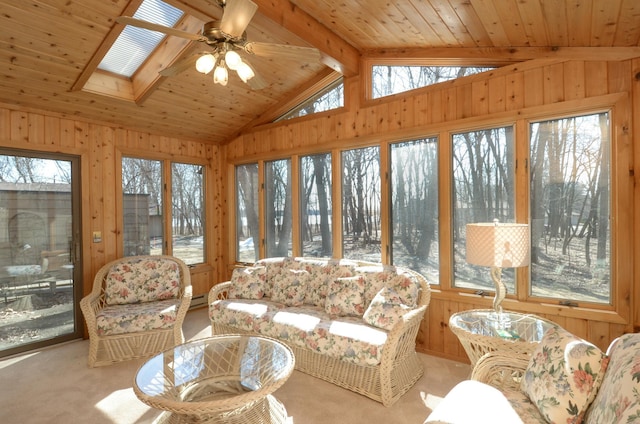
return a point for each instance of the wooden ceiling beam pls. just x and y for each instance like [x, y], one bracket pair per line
[336, 52]
[495, 55]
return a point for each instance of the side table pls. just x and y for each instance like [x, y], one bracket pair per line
[481, 331]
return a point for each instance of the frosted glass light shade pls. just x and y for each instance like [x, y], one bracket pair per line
[233, 60]
[245, 72]
[221, 75]
[205, 63]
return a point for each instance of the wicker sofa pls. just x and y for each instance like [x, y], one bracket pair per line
[136, 308]
[565, 380]
[351, 323]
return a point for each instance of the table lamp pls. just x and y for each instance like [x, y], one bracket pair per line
[498, 245]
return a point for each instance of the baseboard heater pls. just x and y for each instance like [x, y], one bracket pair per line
[198, 301]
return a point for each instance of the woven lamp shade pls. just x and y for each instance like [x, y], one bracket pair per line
[502, 245]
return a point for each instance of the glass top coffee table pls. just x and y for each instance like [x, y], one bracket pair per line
[220, 379]
[482, 330]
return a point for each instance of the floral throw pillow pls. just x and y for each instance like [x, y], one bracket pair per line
[618, 400]
[563, 376]
[386, 309]
[345, 297]
[248, 283]
[289, 287]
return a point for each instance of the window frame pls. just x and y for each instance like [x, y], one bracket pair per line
[615, 104]
[621, 259]
[167, 204]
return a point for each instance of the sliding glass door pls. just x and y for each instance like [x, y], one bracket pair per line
[39, 233]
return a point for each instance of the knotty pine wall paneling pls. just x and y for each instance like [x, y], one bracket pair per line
[543, 86]
[100, 147]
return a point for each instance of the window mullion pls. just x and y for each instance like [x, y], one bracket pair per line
[522, 199]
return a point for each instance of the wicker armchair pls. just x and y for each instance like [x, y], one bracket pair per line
[136, 308]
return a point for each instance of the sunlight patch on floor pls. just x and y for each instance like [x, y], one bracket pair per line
[115, 401]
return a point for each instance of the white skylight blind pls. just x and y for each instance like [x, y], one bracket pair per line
[134, 45]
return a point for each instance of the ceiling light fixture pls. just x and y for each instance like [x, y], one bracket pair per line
[221, 75]
[220, 64]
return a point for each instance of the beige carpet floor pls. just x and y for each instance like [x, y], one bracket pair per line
[55, 385]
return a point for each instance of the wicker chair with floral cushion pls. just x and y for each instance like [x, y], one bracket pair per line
[136, 308]
[565, 380]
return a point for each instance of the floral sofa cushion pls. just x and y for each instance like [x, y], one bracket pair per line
[563, 376]
[321, 274]
[131, 318]
[310, 327]
[386, 309]
[306, 326]
[290, 287]
[248, 283]
[142, 280]
[345, 297]
[276, 268]
[242, 313]
[618, 400]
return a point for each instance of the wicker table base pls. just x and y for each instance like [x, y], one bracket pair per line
[265, 411]
[222, 379]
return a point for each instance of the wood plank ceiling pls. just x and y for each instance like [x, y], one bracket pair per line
[48, 49]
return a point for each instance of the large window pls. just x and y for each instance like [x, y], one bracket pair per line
[568, 199]
[414, 202]
[278, 208]
[483, 191]
[145, 210]
[570, 208]
[329, 98]
[361, 207]
[247, 222]
[142, 206]
[187, 201]
[316, 206]
[558, 180]
[387, 80]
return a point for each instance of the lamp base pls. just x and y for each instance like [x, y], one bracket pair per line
[501, 290]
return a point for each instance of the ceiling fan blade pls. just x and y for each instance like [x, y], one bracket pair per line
[236, 16]
[283, 51]
[128, 20]
[181, 65]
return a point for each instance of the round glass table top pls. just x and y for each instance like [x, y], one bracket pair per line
[214, 374]
[506, 325]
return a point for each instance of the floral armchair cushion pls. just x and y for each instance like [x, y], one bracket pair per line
[248, 283]
[345, 297]
[618, 400]
[386, 309]
[563, 376]
[147, 316]
[142, 280]
[289, 287]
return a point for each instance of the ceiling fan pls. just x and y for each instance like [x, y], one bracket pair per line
[226, 38]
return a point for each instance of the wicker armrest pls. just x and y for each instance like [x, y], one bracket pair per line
[499, 370]
[219, 291]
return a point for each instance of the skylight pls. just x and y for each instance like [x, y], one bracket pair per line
[134, 45]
